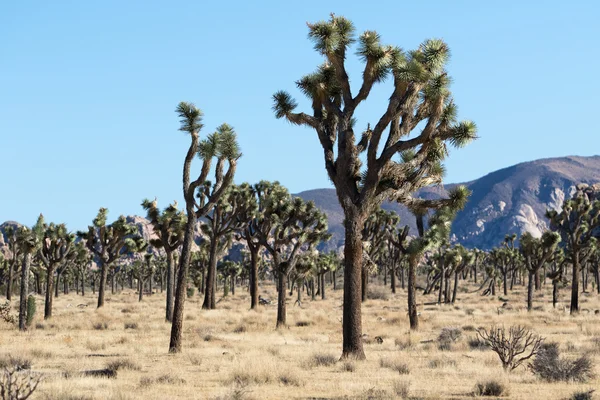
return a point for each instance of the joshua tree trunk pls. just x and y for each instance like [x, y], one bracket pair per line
[530, 291]
[455, 287]
[140, 289]
[364, 283]
[323, 286]
[505, 277]
[170, 285]
[393, 276]
[334, 281]
[102, 285]
[9, 282]
[57, 283]
[575, 284]
[281, 309]
[312, 288]
[554, 293]
[232, 283]
[209, 290]
[442, 274]
[49, 292]
[352, 316]
[24, 291]
[180, 293]
[412, 293]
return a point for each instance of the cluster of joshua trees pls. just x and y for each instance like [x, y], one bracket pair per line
[281, 234]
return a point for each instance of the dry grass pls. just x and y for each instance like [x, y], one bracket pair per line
[235, 353]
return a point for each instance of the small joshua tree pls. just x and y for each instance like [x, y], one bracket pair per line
[513, 347]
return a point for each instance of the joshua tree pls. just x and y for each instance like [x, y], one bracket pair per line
[223, 146]
[169, 227]
[297, 225]
[536, 252]
[108, 243]
[56, 244]
[577, 223]
[222, 222]
[29, 242]
[420, 97]
[81, 259]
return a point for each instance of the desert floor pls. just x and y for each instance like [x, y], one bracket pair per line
[235, 353]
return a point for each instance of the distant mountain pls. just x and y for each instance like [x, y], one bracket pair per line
[510, 200]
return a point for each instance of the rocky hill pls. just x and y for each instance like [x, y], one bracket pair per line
[510, 200]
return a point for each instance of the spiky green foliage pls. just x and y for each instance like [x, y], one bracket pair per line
[577, 223]
[110, 242]
[190, 117]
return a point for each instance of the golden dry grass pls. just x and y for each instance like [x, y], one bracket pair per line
[235, 353]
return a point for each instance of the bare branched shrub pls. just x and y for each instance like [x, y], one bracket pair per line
[17, 385]
[447, 337]
[514, 347]
[550, 367]
[18, 363]
[476, 343]
[490, 388]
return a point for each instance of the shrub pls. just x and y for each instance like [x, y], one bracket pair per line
[289, 379]
[322, 360]
[348, 366]
[441, 362]
[402, 389]
[240, 329]
[30, 310]
[15, 385]
[100, 326]
[395, 365]
[303, 323]
[447, 337]
[550, 367]
[18, 363]
[131, 325]
[490, 388]
[513, 347]
[123, 363]
[190, 292]
[582, 395]
[477, 344]
[378, 293]
[5, 313]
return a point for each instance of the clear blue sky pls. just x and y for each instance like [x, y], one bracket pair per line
[88, 90]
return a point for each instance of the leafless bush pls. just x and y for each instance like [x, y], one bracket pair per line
[18, 363]
[17, 385]
[514, 347]
[550, 367]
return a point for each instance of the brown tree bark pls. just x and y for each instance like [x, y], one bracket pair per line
[170, 286]
[49, 292]
[24, 291]
[102, 284]
[281, 298]
[209, 290]
[352, 315]
[575, 283]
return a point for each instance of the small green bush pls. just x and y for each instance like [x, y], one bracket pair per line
[190, 292]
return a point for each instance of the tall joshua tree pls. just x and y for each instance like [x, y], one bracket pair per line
[169, 227]
[536, 251]
[222, 222]
[223, 146]
[297, 226]
[419, 97]
[108, 243]
[56, 244]
[577, 223]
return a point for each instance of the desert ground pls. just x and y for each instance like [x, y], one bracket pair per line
[235, 353]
